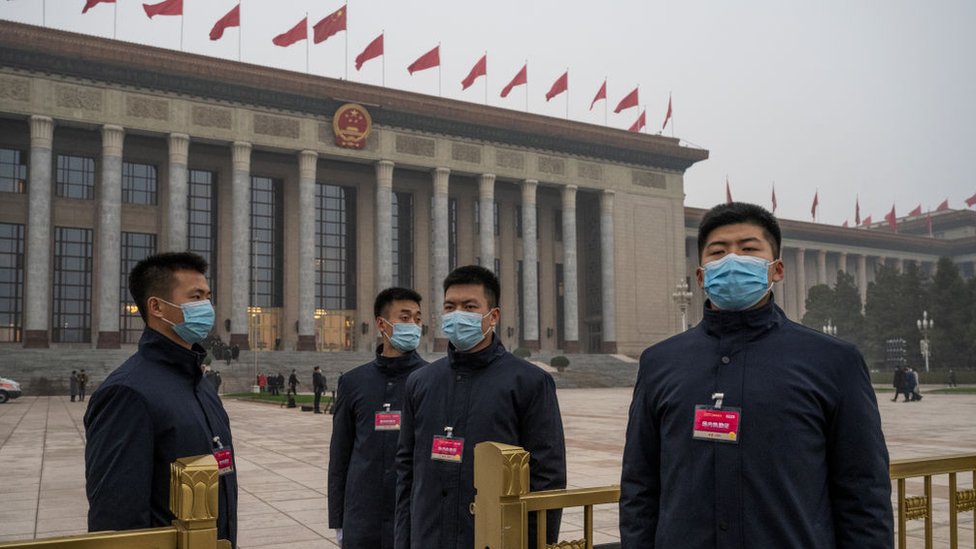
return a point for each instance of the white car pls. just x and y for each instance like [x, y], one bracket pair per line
[8, 389]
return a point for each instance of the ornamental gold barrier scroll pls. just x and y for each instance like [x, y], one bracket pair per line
[192, 499]
[920, 507]
[502, 501]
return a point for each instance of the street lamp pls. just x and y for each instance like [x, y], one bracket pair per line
[682, 298]
[829, 328]
[925, 326]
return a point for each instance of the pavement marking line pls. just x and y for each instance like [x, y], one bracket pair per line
[40, 484]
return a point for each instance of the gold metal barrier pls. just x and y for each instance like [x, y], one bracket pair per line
[192, 498]
[920, 507]
[502, 501]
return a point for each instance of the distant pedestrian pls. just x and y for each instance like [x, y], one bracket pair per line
[319, 385]
[279, 383]
[952, 378]
[82, 384]
[293, 384]
[217, 381]
[262, 382]
[912, 385]
[73, 385]
[899, 384]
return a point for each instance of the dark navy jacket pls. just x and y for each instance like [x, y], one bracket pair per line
[490, 395]
[811, 466]
[362, 476]
[154, 408]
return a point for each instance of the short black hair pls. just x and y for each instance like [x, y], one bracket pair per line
[386, 298]
[740, 212]
[479, 276]
[153, 276]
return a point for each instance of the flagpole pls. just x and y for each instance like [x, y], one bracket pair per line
[383, 76]
[486, 77]
[438, 69]
[567, 93]
[605, 101]
[44, 14]
[308, 47]
[240, 29]
[115, 22]
[182, 17]
[672, 113]
[526, 85]
[347, 40]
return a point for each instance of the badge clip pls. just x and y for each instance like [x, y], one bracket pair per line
[217, 444]
[386, 406]
[718, 397]
[449, 432]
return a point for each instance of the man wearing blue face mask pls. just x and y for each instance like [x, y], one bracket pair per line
[157, 406]
[366, 424]
[750, 430]
[479, 392]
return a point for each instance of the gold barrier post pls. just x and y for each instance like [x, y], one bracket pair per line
[501, 476]
[921, 507]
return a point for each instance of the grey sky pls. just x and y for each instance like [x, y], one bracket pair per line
[845, 96]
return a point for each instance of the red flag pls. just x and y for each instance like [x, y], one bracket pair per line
[600, 94]
[166, 7]
[844, 224]
[857, 211]
[639, 123]
[373, 50]
[728, 191]
[943, 206]
[774, 198]
[426, 61]
[295, 34]
[867, 220]
[89, 4]
[928, 222]
[522, 77]
[331, 24]
[668, 117]
[559, 86]
[232, 19]
[971, 201]
[916, 211]
[479, 69]
[629, 100]
[816, 202]
[891, 219]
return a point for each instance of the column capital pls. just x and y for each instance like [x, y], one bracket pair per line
[241, 156]
[606, 201]
[441, 180]
[112, 139]
[307, 163]
[486, 185]
[384, 172]
[441, 171]
[179, 148]
[42, 131]
[569, 197]
[529, 187]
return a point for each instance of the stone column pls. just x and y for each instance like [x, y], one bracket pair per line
[862, 278]
[307, 164]
[530, 267]
[570, 304]
[842, 262]
[609, 342]
[178, 213]
[801, 282]
[439, 252]
[240, 244]
[384, 225]
[822, 267]
[486, 206]
[109, 236]
[37, 295]
[900, 265]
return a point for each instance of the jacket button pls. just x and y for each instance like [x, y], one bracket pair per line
[725, 360]
[723, 525]
[457, 378]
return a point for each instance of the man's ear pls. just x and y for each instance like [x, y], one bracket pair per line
[700, 277]
[154, 307]
[779, 271]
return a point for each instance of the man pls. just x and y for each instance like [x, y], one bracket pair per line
[479, 392]
[898, 382]
[157, 406]
[750, 430]
[73, 385]
[82, 384]
[366, 425]
[292, 384]
[318, 385]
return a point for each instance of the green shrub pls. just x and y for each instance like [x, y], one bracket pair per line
[522, 352]
[559, 362]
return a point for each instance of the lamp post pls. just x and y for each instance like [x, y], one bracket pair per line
[682, 298]
[925, 326]
[829, 328]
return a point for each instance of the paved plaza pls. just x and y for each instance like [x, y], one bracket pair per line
[283, 458]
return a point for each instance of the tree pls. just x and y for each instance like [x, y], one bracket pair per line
[820, 306]
[894, 303]
[951, 308]
[847, 310]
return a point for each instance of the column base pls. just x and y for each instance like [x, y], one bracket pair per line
[305, 343]
[36, 339]
[571, 347]
[531, 344]
[109, 340]
[608, 347]
[440, 344]
[241, 341]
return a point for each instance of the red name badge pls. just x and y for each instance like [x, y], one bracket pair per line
[720, 424]
[387, 421]
[225, 460]
[447, 449]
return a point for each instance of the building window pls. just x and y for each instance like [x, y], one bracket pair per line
[13, 171]
[135, 248]
[477, 216]
[266, 242]
[494, 216]
[72, 285]
[452, 224]
[518, 221]
[11, 282]
[557, 228]
[403, 239]
[335, 242]
[202, 221]
[138, 183]
[76, 177]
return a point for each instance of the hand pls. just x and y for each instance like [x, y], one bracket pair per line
[339, 537]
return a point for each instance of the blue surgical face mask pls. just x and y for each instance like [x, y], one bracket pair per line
[463, 329]
[406, 336]
[736, 282]
[198, 319]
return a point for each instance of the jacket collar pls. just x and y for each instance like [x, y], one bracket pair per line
[748, 324]
[159, 349]
[478, 360]
[396, 365]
